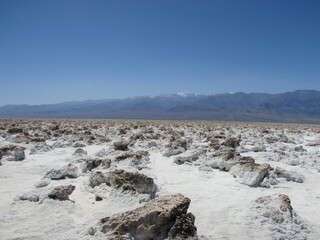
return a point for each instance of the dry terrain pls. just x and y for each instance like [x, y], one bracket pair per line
[69, 179]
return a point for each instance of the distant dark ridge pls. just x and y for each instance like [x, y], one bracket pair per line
[302, 106]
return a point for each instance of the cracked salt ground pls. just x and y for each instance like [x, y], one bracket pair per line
[216, 197]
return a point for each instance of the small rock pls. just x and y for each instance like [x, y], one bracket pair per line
[92, 231]
[80, 152]
[183, 227]
[94, 163]
[102, 153]
[12, 153]
[288, 175]
[29, 197]
[98, 198]
[121, 145]
[173, 151]
[15, 130]
[251, 174]
[126, 181]
[40, 148]
[19, 138]
[187, 157]
[42, 183]
[231, 142]
[299, 149]
[78, 145]
[61, 192]
[260, 148]
[132, 155]
[69, 171]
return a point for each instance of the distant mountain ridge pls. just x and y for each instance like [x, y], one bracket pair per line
[301, 106]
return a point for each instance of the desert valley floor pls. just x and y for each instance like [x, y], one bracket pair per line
[131, 179]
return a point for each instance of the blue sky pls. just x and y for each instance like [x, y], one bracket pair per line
[54, 51]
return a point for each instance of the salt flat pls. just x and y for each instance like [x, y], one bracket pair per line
[238, 176]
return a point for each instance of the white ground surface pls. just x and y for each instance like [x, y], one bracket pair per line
[222, 206]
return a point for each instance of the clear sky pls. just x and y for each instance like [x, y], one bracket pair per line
[63, 50]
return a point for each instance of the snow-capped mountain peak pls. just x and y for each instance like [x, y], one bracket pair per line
[186, 94]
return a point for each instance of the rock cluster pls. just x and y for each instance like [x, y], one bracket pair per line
[29, 197]
[243, 168]
[126, 145]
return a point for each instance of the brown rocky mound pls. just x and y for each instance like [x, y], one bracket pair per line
[158, 219]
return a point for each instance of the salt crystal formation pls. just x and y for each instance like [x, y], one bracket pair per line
[131, 179]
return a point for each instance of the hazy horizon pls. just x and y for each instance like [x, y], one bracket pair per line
[128, 97]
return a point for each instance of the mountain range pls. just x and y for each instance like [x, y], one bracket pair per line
[301, 106]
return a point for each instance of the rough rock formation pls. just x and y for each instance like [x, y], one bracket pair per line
[14, 130]
[69, 171]
[90, 164]
[80, 152]
[173, 151]
[17, 138]
[227, 158]
[176, 147]
[121, 145]
[138, 159]
[274, 175]
[158, 219]
[61, 192]
[40, 148]
[259, 148]
[133, 155]
[187, 157]
[121, 179]
[231, 142]
[243, 168]
[78, 145]
[42, 183]
[184, 143]
[251, 174]
[279, 207]
[102, 153]
[214, 143]
[183, 227]
[288, 175]
[276, 213]
[12, 153]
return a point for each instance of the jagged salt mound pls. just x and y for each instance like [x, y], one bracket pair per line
[158, 219]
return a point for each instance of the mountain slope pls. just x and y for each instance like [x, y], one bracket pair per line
[302, 106]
